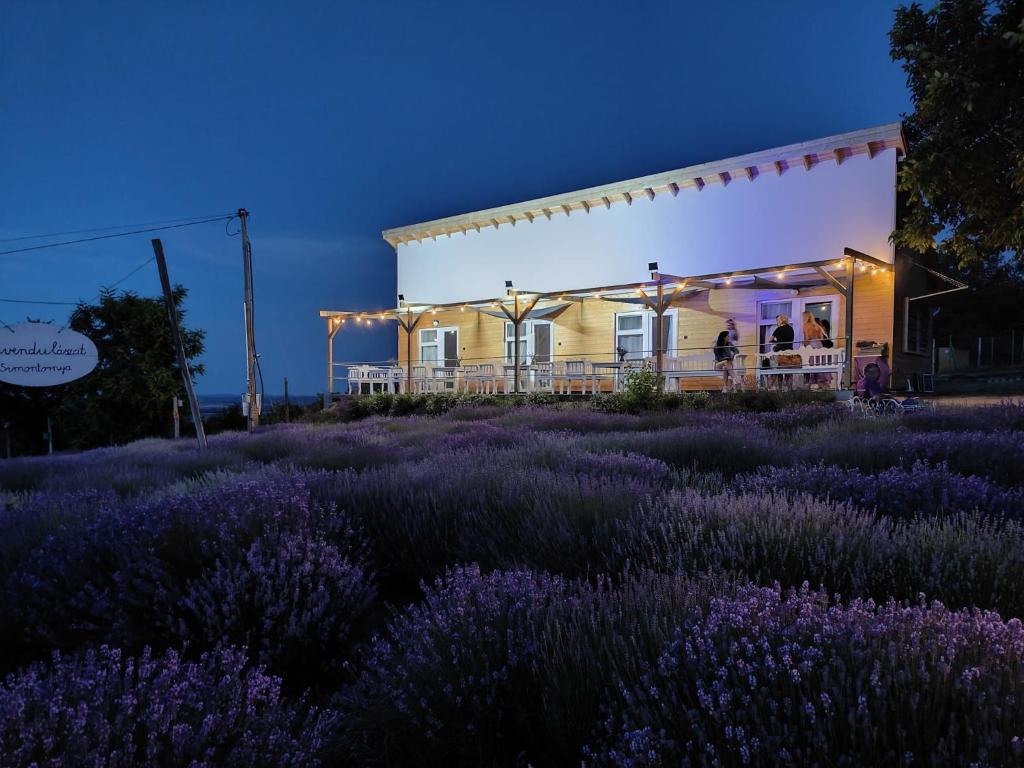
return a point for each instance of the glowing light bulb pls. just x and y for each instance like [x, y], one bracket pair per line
[728, 281]
[781, 275]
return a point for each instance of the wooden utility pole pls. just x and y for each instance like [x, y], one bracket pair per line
[250, 332]
[179, 346]
[177, 416]
[287, 405]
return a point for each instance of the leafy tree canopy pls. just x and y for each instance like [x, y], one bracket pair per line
[964, 175]
[128, 395]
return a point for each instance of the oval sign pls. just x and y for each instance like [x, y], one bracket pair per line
[44, 355]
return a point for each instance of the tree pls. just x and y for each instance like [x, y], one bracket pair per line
[964, 175]
[129, 394]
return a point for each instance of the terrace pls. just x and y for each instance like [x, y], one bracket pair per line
[533, 364]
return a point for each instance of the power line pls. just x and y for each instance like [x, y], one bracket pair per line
[26, 301]
[76, 303]
[107, 229]
[119, 234]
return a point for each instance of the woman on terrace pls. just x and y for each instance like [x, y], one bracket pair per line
[725, 351]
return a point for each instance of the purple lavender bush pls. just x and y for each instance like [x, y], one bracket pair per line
[964, 560]
[774, 680]
[294, 600]
[444, 685]
[254, 559]
[873, 447]
[1007, 415]
[921, 489]
[106, 708]
[497, 508]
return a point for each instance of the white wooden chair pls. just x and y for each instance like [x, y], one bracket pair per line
[445, 379]
[575, 370]
[543, 379]
[355, 380]
[420, 379]
[483, 379]
[396, 378]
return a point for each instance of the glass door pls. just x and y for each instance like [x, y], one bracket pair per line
[535, 341]
[823, 309]
[541, 342]
[450, 344]
[439, 346]
[767, 311]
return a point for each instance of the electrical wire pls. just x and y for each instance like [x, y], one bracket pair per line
[26, 301]
[107, 237]
[107, 229]
[80, 301]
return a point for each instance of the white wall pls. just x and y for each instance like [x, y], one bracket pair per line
[797, 217]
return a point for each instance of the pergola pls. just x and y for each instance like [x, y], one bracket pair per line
[659, 294]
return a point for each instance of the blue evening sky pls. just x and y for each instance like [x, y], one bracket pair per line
[330, 121]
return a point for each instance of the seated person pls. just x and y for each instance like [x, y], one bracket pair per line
[870, 384]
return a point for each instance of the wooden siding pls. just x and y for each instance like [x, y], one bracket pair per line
[587, 329]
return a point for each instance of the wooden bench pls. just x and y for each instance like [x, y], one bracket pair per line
[699, 366]
[812, 360]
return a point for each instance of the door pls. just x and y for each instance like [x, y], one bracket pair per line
[541, 342]
[824, 310]
[535, 342]
[767, 311]
[450, 345]
[439, 346]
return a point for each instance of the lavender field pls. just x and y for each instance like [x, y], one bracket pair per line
[523, 586]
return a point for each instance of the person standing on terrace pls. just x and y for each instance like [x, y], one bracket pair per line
[814, 334]
[725, 351]
[783, 335]
[782, 341]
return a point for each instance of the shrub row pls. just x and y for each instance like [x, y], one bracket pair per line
[106, 708]
[252, 561]
[515, 667]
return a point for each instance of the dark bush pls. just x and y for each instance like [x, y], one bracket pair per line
[106, 708]
[773, 681]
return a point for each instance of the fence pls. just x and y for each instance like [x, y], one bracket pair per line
[964, 352]
[757, 365]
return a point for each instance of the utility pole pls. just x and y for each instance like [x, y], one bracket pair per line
[175, 402]
[287, 405]
[179, 346]
[250, 333]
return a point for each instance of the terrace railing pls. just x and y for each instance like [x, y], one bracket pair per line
[756, 366]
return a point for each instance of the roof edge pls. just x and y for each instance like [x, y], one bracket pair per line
[777, 160]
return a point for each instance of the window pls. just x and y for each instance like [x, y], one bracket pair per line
[635, 333]
[439, 346]
[535, 338]
[915, 328]
[823, 308]
[428, 346]
[766, 314]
